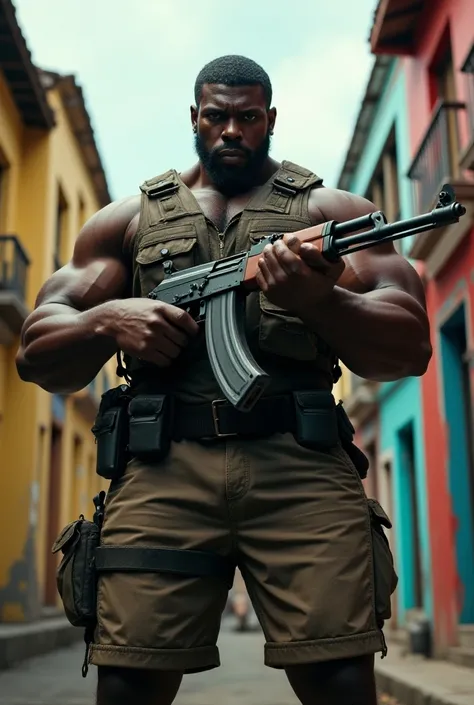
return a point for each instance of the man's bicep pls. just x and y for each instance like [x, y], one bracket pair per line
[97, 271]
[382, 269]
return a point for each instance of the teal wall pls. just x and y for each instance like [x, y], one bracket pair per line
[399, 409]
[400, 403]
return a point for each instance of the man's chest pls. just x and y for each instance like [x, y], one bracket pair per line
[219, 209]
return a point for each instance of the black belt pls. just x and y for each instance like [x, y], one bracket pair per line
[219, 419]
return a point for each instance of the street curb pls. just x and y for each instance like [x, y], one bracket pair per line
[409, 691]
[19, 642]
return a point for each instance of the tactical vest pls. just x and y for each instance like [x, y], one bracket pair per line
[172, 226]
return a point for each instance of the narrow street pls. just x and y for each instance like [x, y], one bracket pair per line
[55, 679]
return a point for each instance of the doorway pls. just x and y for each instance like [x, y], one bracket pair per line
[459, 420]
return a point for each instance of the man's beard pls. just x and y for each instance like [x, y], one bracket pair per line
[232, 179]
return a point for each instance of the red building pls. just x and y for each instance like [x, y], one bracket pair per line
[435, 41]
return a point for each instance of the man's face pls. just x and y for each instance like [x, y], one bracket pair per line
[233, 130]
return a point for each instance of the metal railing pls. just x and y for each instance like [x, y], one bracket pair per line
[436, 158]
[14, 263]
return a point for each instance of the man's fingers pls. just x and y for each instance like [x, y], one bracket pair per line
[313, 257]
[181, 319]
[290, 261]
[292, 242]
[265, 272]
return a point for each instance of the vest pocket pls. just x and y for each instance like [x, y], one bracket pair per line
[280, 333]
[177, 244]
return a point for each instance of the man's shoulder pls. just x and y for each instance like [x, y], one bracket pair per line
[337, 204]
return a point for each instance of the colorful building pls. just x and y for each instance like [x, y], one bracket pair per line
[388, 417]
[51, 181]
[418, 115]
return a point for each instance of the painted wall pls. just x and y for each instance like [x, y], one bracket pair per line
[398, 410]
[43, 159]
[459, 14]
[451, 520]
[450, 512]
[400, 404]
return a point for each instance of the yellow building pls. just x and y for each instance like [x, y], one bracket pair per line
[51, 181]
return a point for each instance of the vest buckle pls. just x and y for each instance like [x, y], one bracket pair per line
[162, 189]
[283, 187]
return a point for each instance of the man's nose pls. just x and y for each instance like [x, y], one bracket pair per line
[232, 131]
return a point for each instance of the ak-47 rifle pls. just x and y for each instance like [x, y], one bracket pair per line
[215, 292]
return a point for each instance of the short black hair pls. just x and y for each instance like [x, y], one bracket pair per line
[233, 70]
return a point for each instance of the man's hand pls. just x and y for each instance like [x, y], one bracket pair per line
[151, 330]
[295, 275]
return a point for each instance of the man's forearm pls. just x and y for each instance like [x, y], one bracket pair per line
[62, 349]
[382, 335]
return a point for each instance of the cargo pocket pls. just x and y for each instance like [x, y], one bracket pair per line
[76, 575]
[385, 577]
[177, 243]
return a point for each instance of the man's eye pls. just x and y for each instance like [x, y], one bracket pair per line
[214, 116]
[250, 117]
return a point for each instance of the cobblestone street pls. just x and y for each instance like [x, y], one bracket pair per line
[55, 679]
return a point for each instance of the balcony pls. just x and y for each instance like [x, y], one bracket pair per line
[362, 401]
[395, 26]
[467, 157]
[14, 264]
[437, 163]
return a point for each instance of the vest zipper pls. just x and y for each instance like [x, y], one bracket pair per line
[221, 243]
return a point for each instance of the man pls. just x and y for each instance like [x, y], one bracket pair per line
[295, 518]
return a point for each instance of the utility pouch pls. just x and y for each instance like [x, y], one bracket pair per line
[76, 576]
[385, 576]
[111, 432]
[346, 435]
[150, 426]
[316, 421]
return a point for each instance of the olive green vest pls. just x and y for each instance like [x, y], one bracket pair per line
[172, 226]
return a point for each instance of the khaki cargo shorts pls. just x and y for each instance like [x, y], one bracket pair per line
[297, 522]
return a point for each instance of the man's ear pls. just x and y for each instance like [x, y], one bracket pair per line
[272, 114]
[194, 117]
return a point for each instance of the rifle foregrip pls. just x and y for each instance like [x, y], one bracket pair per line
[241, 380]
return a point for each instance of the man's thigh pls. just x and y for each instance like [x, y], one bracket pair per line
[161, 620]
[304, 539]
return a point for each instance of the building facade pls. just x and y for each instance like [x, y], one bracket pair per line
[423, 428]
[51, 181]
[388, 417]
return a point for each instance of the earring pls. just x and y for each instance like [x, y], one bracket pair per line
[194, 128]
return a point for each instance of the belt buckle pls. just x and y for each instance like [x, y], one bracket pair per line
[215, 417]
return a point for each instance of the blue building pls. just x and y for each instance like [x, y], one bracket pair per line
[389, 417]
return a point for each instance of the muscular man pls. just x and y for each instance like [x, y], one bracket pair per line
[294, 518]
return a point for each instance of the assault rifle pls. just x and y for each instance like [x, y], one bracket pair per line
[215, 292]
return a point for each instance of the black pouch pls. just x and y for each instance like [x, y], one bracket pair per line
[76, 576]
[150, 426]
[346, 435]
[316, 421]
[111, 432]
[385, 576]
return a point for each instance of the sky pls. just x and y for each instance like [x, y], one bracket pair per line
[137, 60]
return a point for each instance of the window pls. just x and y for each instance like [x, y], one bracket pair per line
[468, 70]
[61, 254]
[81, 214]
[3, 190]
[383, 189]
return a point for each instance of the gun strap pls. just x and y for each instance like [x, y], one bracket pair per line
[137, 559]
